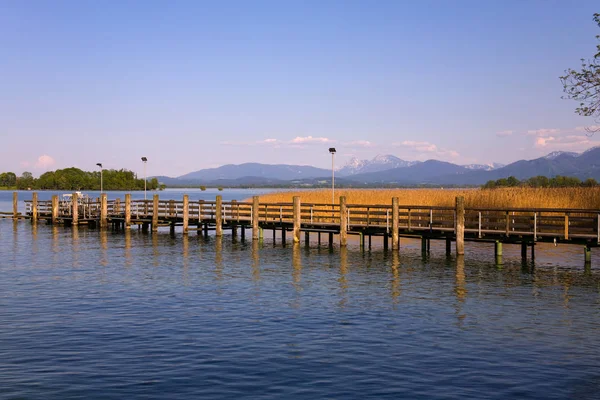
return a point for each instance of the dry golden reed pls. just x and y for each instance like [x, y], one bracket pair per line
[579, 197]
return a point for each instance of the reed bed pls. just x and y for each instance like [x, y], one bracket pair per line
[578, 198]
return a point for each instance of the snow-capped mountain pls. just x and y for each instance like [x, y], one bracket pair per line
[554, 154]
[484, 167]
[378, 163]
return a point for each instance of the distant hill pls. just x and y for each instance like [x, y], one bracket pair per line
[391, 171]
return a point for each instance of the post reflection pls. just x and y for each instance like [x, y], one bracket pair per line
[460, 289]
[75, 244]
[343, 279]
[395, 287]
[297, 267]
[255, 261]
[219, 257]
[128, 260]
[155, 251]
[104, 247]
[185, 246]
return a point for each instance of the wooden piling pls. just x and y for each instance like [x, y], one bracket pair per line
[460, 225]
[587, 251]
[155, 213]
[34, 207]
[186, 213]
[127, 210]
[448, 246]
[297, 219]
[306, 239]
[104, 211]
[524, 250]
[15, 205]
[343, 221]
[395, 224]
[75, 209]
[254, 217]
[219, 216]
[54, 209]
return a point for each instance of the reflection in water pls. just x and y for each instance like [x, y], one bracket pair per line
[75, 245]
[128, 258]
[460, 289]
[255, 261]
[186, 246]
[155, 251]
[343, 280]
[396, 290]
[219, 257]
[104, 247]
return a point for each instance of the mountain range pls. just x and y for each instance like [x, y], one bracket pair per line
[389, 170]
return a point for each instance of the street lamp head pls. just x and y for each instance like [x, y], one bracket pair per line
[332, 150]
[99, 164]
[144, 159]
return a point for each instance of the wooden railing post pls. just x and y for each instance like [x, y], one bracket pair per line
[343, 221]
[75, 208]
[395, 223]
[15, 205]
[155, 213]
[297, 219]
[219, 216]
[128, 209]
[103, 211]
[460, 225]
[186, 212]
[255, 207]
[34, 207]
[54, 209]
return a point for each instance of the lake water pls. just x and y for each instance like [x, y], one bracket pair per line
[100, 314]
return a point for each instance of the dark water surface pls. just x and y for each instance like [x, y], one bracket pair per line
[90, 314]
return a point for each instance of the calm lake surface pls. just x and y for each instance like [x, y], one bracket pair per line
[100, 314]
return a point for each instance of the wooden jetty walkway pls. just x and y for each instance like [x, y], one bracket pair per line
[388, 221]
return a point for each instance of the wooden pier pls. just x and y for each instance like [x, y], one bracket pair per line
[390, 222]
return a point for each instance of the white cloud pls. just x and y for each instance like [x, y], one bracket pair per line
[270, 140]
[504, 133]
[428, 149]
[310, 139]
[361, 143]
[543, 141]
[543, 132]
[44, 162]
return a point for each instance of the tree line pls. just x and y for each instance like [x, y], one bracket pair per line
[541, 182]
[76, 179]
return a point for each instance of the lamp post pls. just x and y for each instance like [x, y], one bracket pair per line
[332, 151]
[100, 165]
[144, 160]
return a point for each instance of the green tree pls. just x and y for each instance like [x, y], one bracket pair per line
[584, 85]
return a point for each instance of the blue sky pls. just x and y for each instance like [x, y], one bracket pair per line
[197, 84]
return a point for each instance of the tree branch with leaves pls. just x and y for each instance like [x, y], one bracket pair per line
[584, 85]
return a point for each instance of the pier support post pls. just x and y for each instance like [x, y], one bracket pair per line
[395, 223]
[343, 221]
[34, 207]
[297, 219]
[423, 245]
[155, 213]
[460, 225]
[75, 209]
[54, 209]
[524, 250]
[219, 216]
[448, 246]
[186, 213]
[104, 211]
[255, 207]
[587, 251]
[15, 205]
[330, 239]
[127, 210]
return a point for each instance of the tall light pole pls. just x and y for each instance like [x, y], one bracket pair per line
[332, 151]
[100, 165]
[144, 160]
